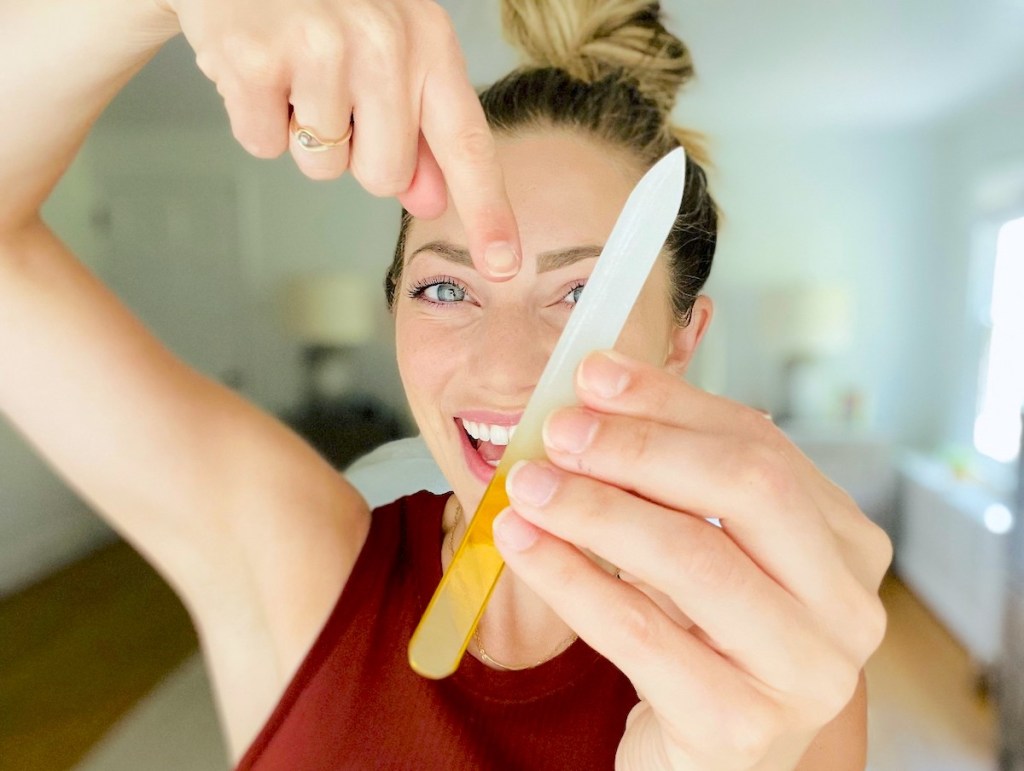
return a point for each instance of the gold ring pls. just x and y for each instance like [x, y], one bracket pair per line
[308, 140]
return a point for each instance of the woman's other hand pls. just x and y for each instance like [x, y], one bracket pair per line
[743, 641]
[393, 70]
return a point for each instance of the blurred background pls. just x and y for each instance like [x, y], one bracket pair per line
[869, 289]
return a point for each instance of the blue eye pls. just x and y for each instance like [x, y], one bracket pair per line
[439, 292]
[444, 293]
[574, 294]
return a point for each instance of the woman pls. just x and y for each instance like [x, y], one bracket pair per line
[699, 647]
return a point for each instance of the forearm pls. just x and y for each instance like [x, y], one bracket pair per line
[62, 62]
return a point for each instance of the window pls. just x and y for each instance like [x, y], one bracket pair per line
[998, 424]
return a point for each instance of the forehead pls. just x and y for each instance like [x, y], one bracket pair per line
[566, 189]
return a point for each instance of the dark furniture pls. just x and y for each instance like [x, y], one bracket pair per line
[344, 429]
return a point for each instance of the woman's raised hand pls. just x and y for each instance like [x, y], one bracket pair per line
[390, 69]
[742, 642]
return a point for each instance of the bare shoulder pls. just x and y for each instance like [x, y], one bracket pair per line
[295, 533]
[252, 528]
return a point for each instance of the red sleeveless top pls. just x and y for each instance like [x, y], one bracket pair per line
[354, 703]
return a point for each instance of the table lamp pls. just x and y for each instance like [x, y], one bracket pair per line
[331, 315]
[804, 325]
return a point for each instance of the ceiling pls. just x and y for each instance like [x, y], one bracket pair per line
[761, 64]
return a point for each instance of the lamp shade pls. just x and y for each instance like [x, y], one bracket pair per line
[808, 320]
[336, 309]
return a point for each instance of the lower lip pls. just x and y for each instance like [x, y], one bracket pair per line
[481, 469]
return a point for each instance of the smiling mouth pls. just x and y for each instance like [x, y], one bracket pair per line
[488, 439]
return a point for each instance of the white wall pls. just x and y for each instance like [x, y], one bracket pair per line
[284, 225]
[983, 152]
[849, 208]
[287, 225]
[892, 215]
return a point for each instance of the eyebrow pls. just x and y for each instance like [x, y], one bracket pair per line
[553, 260]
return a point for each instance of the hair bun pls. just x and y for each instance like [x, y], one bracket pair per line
[592, 39]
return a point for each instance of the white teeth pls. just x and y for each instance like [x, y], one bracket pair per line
[486, 432]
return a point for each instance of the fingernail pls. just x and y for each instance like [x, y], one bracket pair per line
[514, 532]
[531, 483]
[569, 430]
[604, 374]
[501, 259]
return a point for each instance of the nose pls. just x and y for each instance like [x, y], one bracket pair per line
[508, 351]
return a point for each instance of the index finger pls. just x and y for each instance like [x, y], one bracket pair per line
[456, 130]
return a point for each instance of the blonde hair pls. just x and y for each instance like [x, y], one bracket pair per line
[592, 40]
[608, 69]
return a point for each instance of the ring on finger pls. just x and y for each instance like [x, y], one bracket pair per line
[309, 141]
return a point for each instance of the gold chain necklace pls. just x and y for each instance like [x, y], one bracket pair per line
[449, 542]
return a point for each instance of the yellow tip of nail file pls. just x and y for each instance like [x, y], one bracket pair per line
[440, 640]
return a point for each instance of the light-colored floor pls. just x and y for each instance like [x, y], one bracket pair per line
[78, 650]
[925, 713]
[925, 710]
[173, 729]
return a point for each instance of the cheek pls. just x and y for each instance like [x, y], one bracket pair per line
[426, 360]
[648, 331]
[644, 340]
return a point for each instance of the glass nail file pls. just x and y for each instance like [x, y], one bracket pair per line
[444, 632]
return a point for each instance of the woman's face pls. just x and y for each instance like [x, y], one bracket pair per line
[471, 351]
